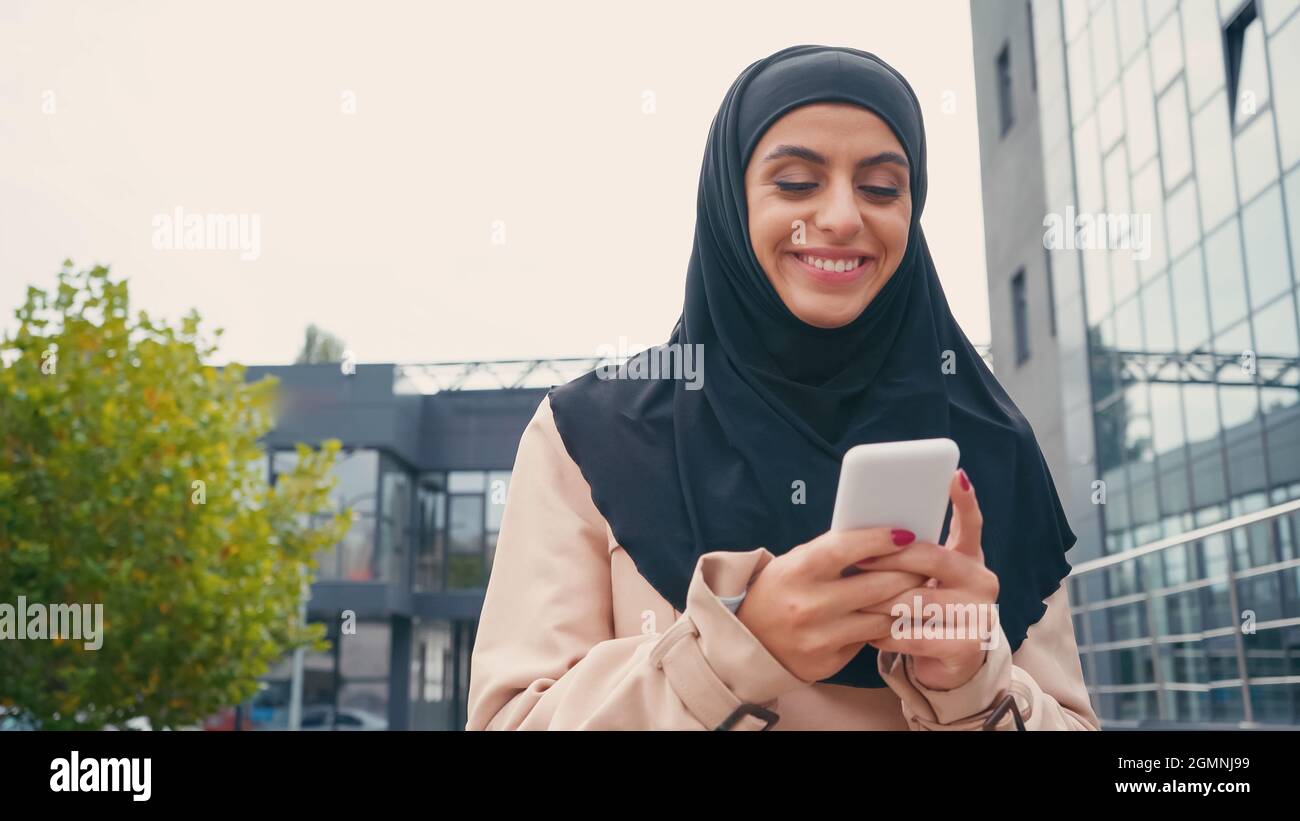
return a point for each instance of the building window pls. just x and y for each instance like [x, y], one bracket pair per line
[431, 538]
[1033, 52]
[1051, 291]
[459, 519]
[355, 558]
[1247, 69]
[1020, 312]
[1005, 112]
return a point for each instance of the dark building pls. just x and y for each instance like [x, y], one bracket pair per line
[425, 467]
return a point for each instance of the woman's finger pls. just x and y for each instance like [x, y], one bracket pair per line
[951, 568]
[856, 628]
[967, 520]
[959, 605]
[835, 550]
[872, 587]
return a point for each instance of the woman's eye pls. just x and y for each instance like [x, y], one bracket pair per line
[881, 191]
[795, 186]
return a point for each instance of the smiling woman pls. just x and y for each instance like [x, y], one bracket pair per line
[664, 558]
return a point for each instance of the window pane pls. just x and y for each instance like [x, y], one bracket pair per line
[1148, 199]
[1293, 210]
[1204, 50]
[1006, 113]
[1227, 281]
[1076, 17]
[431, 536]
[1080, 75]
[1123, 270]
[1277, 12]
[466, 481]
[1097, 284]
[465, 531]
[1175, 144]
[358, 474]
[1267, 269]
[1182, 219]
[465, 564]
[1110, 117]
[1117, 200]
[1256, 157]
[1155, 309]
[1166, 51]
[1202, 418]
[1132, 28]
[1190, 311]
[1214, 174]
[1104, 51]
[1139, 112]
[1275, 330]
[431, 676]
[1240, 404]
[364, 653]
[1088, 159]
[357, 550]
[1137, 444]
[1234, 341]
[1157, 9]
[1167, 418]
[395, 524]
[1284, 51]
[1128, 326]
[498, 492]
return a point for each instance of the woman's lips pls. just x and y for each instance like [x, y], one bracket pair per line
[831, 276]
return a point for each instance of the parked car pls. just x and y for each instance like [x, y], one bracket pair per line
[322, 718]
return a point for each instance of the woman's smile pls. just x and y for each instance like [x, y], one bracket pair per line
[831, 266]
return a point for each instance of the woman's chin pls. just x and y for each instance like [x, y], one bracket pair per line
[825, 316]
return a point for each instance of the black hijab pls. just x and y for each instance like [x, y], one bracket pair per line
[679, 472]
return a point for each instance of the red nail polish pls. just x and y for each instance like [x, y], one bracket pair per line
[902, 537]
[965, 483]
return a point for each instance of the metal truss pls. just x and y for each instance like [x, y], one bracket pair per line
[506, 374]
[1203, 367]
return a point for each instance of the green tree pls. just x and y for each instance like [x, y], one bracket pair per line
[131, 476]
[318, 346]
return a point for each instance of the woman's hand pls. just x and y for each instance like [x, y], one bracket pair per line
[957, 576]
[809, 615]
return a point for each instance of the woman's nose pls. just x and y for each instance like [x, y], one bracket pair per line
[838, 212]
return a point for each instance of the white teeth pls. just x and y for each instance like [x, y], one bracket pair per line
[836, 265]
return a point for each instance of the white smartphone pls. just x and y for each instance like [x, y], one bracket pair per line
[896, 484]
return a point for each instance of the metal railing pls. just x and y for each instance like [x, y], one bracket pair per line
[1151, 598]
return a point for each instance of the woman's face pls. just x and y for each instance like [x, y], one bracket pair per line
[829, 209]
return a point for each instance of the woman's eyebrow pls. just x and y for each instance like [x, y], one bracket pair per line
[884, 157]
[804, 153]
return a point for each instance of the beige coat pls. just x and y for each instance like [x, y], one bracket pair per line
[573, 637]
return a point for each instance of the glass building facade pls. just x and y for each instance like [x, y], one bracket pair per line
[1178, 361]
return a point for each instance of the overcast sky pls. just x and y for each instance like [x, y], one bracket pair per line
[524, 118]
